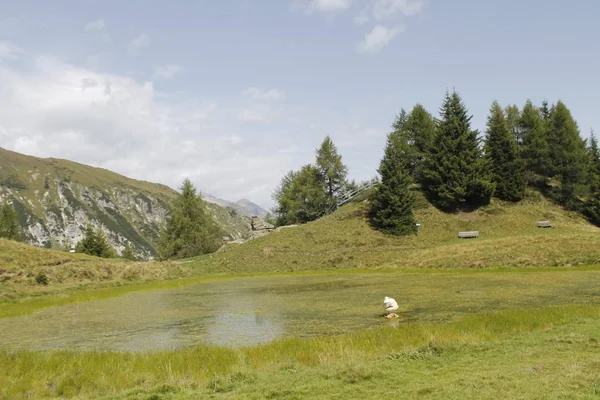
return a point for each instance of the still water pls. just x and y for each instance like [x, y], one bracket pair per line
[248, 311]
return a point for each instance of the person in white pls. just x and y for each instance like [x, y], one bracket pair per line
[390, 305]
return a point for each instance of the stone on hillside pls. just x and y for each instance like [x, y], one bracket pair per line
[258, 224]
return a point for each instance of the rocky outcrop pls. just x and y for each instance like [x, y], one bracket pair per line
[260, 227]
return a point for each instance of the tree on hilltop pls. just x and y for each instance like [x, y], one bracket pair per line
[501, 149]
[332, 170]
[455, 173]
[392, 203]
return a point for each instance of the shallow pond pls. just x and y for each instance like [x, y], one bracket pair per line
[248, 311]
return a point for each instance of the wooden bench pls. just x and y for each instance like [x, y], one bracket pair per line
[468, 235]
[544, 224]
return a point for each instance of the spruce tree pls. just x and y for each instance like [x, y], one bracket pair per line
[568, 154]
[501, 149]
[128, 253]
[545, 110]
[332, 170]
[536, 152]
[592, 204]
[94, 243]
[190, 231]
[392, 202]
[593, 163]
[455, 173]
[9, 227]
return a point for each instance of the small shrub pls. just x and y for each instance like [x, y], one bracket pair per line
[41, 279]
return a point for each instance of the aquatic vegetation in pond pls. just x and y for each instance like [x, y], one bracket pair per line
[250, 311]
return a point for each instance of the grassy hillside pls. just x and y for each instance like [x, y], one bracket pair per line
[56, 198]
[20, 264]
[344, 240]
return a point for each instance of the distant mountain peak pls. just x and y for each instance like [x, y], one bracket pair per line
[244, 206]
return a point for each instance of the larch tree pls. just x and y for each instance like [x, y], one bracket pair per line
[332, 170]
[536, 152]
[568, 154]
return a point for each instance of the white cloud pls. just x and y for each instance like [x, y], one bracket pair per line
[260, 113]
[54, 109]
[141, 41]
[166, 71]
[10, 51]
[323, 6]
[94, 26]
[258, 94]
[386, 10]
[361, 19]
[377, 39]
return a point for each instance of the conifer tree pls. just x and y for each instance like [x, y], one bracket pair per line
[568, 154]
[417, 130]
[592, 205]
[94, 243]
[332, 169]
[545, 110]
[128, 253]
[190, 231]
[593, 163]
[392, 202]
[455, 174]
[501, 149]
[535, 152]
[301, 197]
[9, 227]
[513, 115]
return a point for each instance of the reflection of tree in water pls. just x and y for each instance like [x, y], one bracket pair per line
[240, 321]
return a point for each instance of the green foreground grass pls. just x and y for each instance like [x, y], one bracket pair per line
[552, 352]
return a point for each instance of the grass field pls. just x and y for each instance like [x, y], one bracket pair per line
[529, 341]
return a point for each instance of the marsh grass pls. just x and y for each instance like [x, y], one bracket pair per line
[351, 358]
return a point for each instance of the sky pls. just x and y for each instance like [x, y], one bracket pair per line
[233, 94]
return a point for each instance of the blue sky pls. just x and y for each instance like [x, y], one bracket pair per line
[233, 94]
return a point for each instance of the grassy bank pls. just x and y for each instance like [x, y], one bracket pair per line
[344, 240]
[21, 266]
[543, 352]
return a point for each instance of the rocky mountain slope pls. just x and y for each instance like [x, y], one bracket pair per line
[56, 199]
